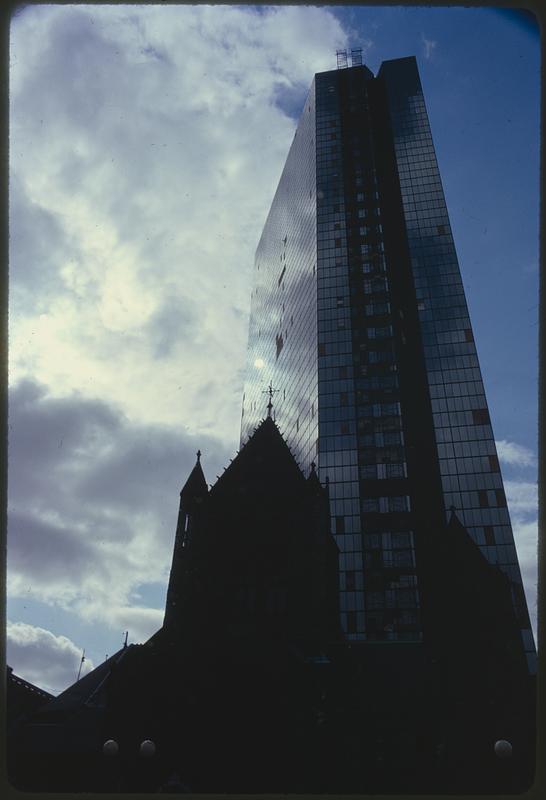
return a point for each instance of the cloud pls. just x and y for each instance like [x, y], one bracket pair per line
[134, 194]
[526, 539]
[34, 542]
[516, 454]
[93, 502]
[37, 241]
[140, 622]
[50, 662]
[135, 211]
[429, 46]
[522, 497]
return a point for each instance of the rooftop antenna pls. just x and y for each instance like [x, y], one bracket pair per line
[270, 391]
[81, 664]
[356, 56]
[125, 642]
[341, 59]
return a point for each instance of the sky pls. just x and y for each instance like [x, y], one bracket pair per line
[146, 143]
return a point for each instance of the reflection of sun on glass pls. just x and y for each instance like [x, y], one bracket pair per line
[259, 363]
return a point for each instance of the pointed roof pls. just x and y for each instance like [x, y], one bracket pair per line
[265, 452]
[88, 688]
[26, 687]
[467, 595]
[458, 566]
[313, 479]
[196, 485]
[460, 540]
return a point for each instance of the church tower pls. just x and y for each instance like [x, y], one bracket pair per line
[193, 493]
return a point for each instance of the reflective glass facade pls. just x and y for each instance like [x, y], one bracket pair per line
[360, 322]
[282, 347]
[467, 458]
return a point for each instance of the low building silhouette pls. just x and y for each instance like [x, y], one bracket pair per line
[239, 664]
[23, 698]
[250, 685]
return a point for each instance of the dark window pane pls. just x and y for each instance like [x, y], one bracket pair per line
[480, 416]
[489, 533]
[501, 497]
[351, 621]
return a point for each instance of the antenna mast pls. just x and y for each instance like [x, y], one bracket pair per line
[81, 664]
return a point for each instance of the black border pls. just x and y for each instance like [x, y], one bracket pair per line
[530, 14]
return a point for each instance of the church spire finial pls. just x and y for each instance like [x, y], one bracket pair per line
[198, 456]
[270, 391]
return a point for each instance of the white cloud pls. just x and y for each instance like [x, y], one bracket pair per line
[50, 662]
[526, 539]
[141, 623]
[140, 132]
[522, 497]
[516, 454]
[429, 46]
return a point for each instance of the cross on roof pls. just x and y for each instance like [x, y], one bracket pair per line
[270, 391]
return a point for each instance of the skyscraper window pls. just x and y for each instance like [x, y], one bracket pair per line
[382, 364]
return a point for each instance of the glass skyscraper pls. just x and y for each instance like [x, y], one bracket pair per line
[360, 325]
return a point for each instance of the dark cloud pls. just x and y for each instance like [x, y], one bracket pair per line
[45, 551]
[141, 472]
[93, 498]
[154, 52]
[175, 321]
[78, 58]
[47, 437]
